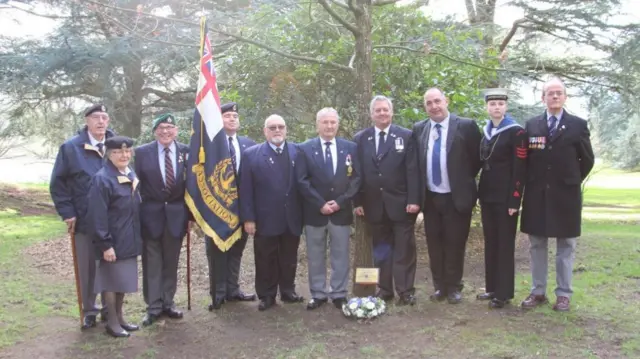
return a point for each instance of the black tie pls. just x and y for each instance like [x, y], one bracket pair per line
[552, 125]
[278, 151]
[381, 144]
[101, 148]
[232, 152]
[328, 161]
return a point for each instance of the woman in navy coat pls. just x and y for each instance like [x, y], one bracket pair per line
[113, 214]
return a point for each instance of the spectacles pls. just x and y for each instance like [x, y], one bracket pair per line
[166, 128]
[557, 93]
[276, 127]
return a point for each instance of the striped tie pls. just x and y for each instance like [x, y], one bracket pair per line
[169, 177]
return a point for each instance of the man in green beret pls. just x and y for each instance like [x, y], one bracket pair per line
[160, 166]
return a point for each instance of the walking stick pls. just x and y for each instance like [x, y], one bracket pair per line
[75, 270]
[189, 265]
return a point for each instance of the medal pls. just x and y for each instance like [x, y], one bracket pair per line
[399, 144]
[348, 164]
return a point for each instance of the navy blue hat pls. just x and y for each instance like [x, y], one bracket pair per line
[118, 142]
[231, 106]
[95, 108]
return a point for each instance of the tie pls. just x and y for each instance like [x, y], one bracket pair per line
[101, 148]
[232, 152]
[130, 176]
[435, 158]
[552, 125]
[328, 162]
[381, 143]
[169, 178]
[278, 151]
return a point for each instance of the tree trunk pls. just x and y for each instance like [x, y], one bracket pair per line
[363, 256]
[130, 106]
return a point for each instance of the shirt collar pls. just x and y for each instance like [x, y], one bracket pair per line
[444, 124]
[557, 117]
[234, 136]
[93, 141]
[333, 141]
[273, 147]
[172, 147]
[377, 130]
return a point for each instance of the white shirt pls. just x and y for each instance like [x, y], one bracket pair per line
[236, 146]
[377, 137]
[333, 148]
[95, 142]
[444, 186]
[172, 155]
[558, 117]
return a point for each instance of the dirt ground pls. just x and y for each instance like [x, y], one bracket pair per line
[428, 330]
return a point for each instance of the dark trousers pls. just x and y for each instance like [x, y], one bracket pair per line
[447, 231]
[499, 249]
[276, 263]
[224, 267]
[394, 253]
[160, 258]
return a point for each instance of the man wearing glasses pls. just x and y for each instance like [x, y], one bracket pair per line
[559, 158]
[78, 159]
[224, 267]
[160, 166]
[271, 210]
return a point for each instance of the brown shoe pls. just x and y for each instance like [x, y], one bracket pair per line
[562, 304]
[533, 301]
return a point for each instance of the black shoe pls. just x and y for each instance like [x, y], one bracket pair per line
[497, 303]
[338, 302]
[172, 313]
[266, 303]
[149, 319]
[130, 327]
[438, 296]
[217, 304]
[407, 299]
[241, 297]
[89, 322]
[292, 297]
[316, 303]
[454, 297]
[485, 296]
[122, 334]
[385, 297]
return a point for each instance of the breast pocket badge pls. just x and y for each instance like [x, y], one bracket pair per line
[399, 144]
[349, 164]
[537, 143]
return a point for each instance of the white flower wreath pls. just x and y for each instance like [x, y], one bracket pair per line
[364, 308]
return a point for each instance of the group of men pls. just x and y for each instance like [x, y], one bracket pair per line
[388, 174]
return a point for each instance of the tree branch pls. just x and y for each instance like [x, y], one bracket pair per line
[237, 37]
[516, 24]
[384, 2]
[341, 4]
[335, 15]
[56, 17]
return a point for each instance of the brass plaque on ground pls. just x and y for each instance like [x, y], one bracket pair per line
[367, 275]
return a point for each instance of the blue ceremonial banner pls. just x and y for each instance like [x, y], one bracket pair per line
[211, 192]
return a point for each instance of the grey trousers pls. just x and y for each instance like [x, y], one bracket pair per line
[160, 259]
[565, 254]
[338, 239]
[87, 262]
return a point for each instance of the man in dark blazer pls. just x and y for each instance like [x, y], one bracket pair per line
[449, 160]
[224, 267]
[328, 179]
[160, 167]
[559, 158]
[389, 199]
[271, 211]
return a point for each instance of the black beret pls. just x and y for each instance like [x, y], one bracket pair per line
[95, 108]
[231, 106]
[165, 118]
[118, 142]
[496, 94]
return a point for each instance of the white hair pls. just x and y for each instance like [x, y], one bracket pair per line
[378, 98]
[271, 117]
[327, 111]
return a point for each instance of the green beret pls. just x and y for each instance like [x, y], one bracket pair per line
[118, 142]
[165, 118]
[231, 106]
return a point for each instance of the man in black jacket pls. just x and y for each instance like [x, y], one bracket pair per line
[160, 166]
[328, 179]
[78, 160]
[449, 160]
[389, 199]
[560, 157]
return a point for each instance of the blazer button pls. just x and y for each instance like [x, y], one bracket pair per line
[381, 189]
[332, 190]
[550, 147]
[549, 167]
[380, 174]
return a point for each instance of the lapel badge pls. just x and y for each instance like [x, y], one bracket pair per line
[315, 153]
[399, 144]
[271, 160]
[348, 164]
[392, 135]
[370, 138]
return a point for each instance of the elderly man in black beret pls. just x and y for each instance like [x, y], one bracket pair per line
[224, 267]
[160, 165]
[78, 160]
